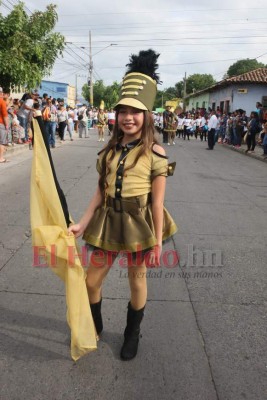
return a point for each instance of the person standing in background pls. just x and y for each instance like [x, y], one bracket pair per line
[171, 123]
[187, 124]
[253, 129]
[111, 121]
[101, 122]
[83, 122]
[212, 125]
[165, 117]
[264, 142]
[25, 111]
[259, 110]
[4, 126]
[75, 119]
[49, 114]
[62, 121]
[70, 126]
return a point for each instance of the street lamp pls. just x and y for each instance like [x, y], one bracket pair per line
[111, 44]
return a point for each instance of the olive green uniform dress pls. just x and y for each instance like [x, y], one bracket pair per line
[101, 120]
[124, 221]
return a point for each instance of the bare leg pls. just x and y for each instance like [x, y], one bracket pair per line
[138, 285]
[99, 133]
[99, 267]
[102, 133]
[2, 151]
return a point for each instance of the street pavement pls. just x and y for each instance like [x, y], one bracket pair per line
[204, 331]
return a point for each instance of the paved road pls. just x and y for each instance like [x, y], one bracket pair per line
[204, 332]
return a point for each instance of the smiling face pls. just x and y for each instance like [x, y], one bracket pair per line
[130, 121]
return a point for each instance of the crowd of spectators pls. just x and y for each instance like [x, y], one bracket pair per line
[231, 129]
[59, 120]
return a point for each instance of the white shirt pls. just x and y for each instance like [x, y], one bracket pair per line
[198, 121]
[203, 121]
[111, 115]
[22, 111]
[187, 121]
[82, 111]
[213, 121]
[180, 121]
[62, 116]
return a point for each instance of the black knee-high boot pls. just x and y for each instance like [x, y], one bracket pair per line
[131, 333]
[97, 317]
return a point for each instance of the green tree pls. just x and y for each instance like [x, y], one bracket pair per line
[198, 82]
[86, 92]
[242, 66]
[99, 91]
[28, 47]
[180, 88]
[158, 100]
[109, 94]
[194, 82]
[164, 95]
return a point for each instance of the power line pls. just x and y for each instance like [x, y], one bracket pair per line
[66, 73]
[74, 52]
[172, 23]
[81, 49]
[126, 49]
[180, 38]
[192, 63]
[188, 44]
[97, 76]
[123, 33]
[67, 63]
[6, 6]
[16, 3]
[75, 59]
[163, 11]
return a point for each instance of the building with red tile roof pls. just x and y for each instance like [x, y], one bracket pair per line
[237, 92]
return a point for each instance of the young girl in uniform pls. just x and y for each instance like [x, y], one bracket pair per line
[126, 212]
[101, 122]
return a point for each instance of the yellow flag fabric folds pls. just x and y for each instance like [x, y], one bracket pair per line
[49, 223]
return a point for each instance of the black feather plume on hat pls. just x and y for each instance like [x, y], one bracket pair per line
[145, 63]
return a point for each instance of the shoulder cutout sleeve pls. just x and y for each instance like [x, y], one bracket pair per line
[158, 154]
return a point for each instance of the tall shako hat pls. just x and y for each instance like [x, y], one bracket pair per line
[139, 85]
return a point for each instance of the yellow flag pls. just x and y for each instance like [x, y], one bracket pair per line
[49, 223]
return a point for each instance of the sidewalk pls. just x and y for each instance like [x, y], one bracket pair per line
[258, 152]
[14, 149]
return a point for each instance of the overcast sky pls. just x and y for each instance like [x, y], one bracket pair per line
[191, 36]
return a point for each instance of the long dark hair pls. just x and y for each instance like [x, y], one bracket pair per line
[147, 140]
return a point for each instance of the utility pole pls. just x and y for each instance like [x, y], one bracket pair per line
[90, 83]
[76, 89]
[184, 94]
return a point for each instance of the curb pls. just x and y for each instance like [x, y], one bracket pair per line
[243, 151]
[18, 148]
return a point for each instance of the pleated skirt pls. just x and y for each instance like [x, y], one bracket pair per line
[126, 224]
